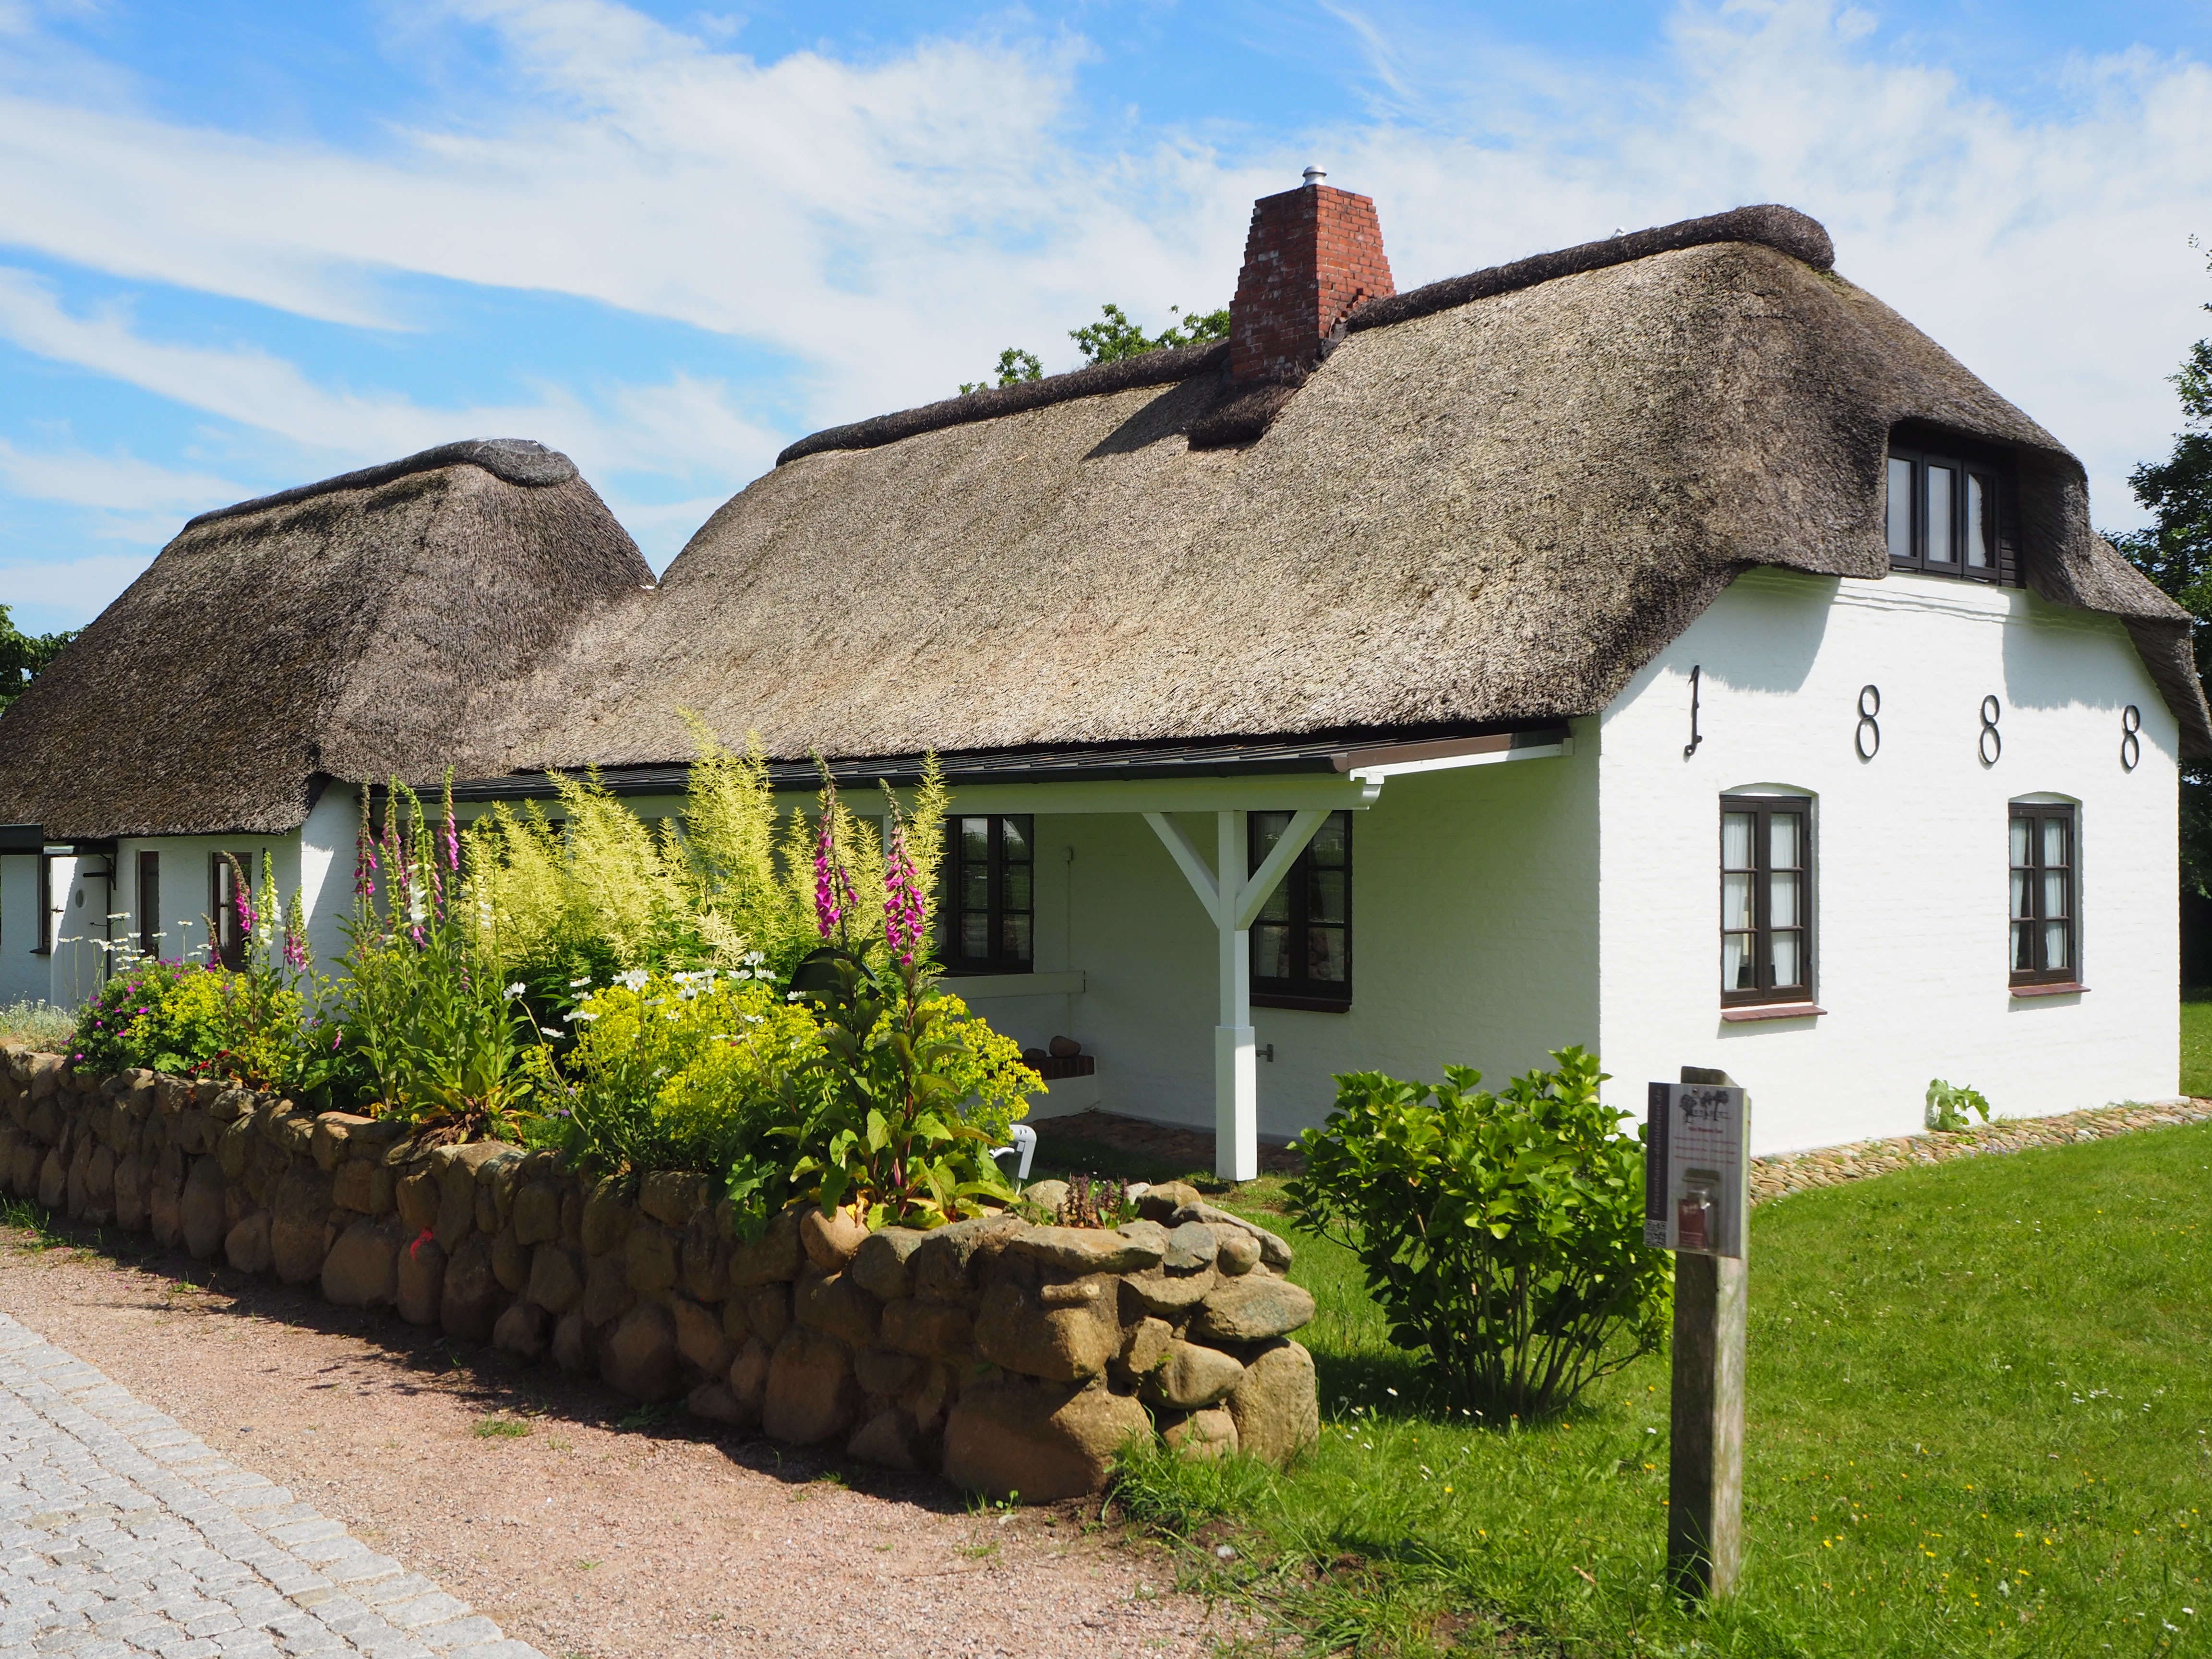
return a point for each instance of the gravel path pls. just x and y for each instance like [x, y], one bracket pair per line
[121, 1534]
[520, 1491]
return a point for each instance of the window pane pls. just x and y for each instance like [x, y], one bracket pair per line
[1267, 829]
[2021, 889]
[975, 840]
[1328, 844]
[1981, 539]
[1781, 901]
[1326, 899]
[2021, 828]
[2054, 893]
[1939, 516]
[1736, 963]
[975, 886]
[975, 937]
[1014, 839]
[1015, 932]
[1789, 958]
[2055, 954]
[1278, 907]
[1735, 840]
[1901, 510]
[2054, 840]
[1782, 831]
[1271, 951]
[1736, 901]
[1324, 955]
[2023, 948]
[1014, 893]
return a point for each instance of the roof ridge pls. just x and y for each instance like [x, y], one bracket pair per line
[515, 460]
[1769, 224]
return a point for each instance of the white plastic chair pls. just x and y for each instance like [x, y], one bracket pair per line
[1025, 1144]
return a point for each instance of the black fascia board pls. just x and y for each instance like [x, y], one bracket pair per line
[22, 838]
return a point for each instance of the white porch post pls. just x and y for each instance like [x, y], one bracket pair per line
[1233, 899]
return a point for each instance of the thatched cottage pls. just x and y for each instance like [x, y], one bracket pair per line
[1658, 645]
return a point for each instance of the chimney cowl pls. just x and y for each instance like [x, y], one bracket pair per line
[1312, 254]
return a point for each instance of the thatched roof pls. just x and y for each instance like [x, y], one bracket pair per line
[342, 630]
[1494, 501]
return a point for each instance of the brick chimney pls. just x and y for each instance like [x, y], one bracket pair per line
[1313, 254]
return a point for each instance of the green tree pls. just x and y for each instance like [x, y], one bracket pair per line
[23, 657]
[2175, 551]
[1109, 340]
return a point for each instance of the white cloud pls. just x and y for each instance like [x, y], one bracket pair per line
[117, 483]
[67, 593]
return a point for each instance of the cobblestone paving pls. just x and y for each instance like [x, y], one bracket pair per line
[121, 1534]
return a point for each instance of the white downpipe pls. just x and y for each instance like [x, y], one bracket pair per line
[1233, 902]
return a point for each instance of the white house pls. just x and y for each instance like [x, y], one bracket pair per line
[1658, 645]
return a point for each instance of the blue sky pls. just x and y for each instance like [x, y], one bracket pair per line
[243, 245]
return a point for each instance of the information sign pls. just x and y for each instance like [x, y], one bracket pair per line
[1695, 1179]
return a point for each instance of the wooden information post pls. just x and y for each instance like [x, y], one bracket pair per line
[1697, 1202]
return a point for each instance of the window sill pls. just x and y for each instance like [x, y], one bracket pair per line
[2067, 988]
[1771, 1011]
[1311, 1004]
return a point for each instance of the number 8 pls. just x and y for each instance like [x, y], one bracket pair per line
[2130, 744]
[1868, 739]
[1991, 744]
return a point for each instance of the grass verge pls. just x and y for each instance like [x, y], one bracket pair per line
[2197, 1043]
[1978, 1425]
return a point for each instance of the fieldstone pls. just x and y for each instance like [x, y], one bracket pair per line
[301, 1212]
[555, 1285]
[1239, 1253]
[351, 1186]
[607, 1217]
[1161, 1202]
[1272, 1250]
[46, 1077]
[812, 1394]
[879, 1267]
[362, 1269]
[767, 1311]
[639, 1359]
[607, 1294]
[1046, 1196]
[417, 1195]
[713, 1401]
[470, 1299]
[537, 1217]
[1146, 1345]
[736, 1322]
[833, 1303]
[832, 1240]
[649, 1257]
[1190, 1247]
[521, 1329]
[332, 1139]
[164, 1200]
[130, 1177]
[748, 1378]
[1063, 1332]
[73, 1189]
[99, 1182]
[199, 1212]
[1191, 1377]
[420, 1291]
[1252, 1309]
[1045, 1440]
[700, 1337]
[572, 1344]
[934, 1330]
[459, 1190]
[947, 1266]
[1276, 1405]
[772, 1258]
[1091, 1249]
[511, 1263]
[889, 1438]
[1171, 1296]
[671, 1195]
[245, 1247]
[706, 1258]
[1202, 1435]
[883, 1372]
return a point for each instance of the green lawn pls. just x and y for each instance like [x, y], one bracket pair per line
[1977, 1426]
[2197, 1043]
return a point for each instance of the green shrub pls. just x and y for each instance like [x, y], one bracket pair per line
[170, 1016]
[1503, 1233]
[40, 1024]
[682, 1071]
[1949, 1103]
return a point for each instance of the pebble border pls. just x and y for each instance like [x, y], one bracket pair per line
[1832, 1166]
[122, 1534]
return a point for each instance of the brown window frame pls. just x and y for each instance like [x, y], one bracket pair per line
[1997, 518]
[1004, 911]
[148, 902]
[226, 944]
[1763, 808]
[43, 938]
[1293, 898]
[2036, 813]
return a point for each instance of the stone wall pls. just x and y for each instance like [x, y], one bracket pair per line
[1008, 1355]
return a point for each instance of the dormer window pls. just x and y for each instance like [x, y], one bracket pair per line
[1947, 515]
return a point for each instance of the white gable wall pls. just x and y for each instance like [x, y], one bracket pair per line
[1911, 873]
